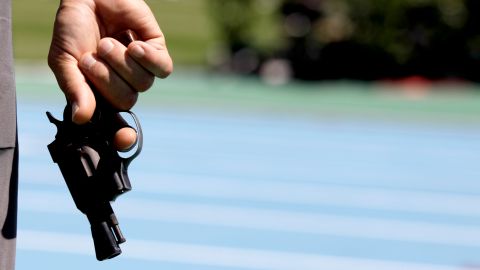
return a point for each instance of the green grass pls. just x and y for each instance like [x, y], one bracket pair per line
[185, 24]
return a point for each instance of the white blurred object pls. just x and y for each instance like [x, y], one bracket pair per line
[276, 71]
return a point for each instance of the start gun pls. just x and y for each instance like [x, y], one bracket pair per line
[93, 170]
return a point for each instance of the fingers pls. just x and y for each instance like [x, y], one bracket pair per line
[116, 72]
[119, 73]
[114, 53]
[124, 136]
[153, 56]
[150, 51]
[76, 89]
[108, 83]
[124, 139]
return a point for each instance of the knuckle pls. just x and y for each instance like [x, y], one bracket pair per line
[166, 71]
[145, 83]
[128, 102]
[105, 47]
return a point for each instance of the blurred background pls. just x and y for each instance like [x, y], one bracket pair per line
[293, 134]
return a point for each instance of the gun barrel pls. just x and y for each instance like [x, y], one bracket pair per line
[106, 231]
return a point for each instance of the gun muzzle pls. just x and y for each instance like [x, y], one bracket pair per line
[106, 246]
[106, 232]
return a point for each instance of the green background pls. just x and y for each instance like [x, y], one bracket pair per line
[184, 23]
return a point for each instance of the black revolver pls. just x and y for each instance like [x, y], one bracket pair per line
[94, 171]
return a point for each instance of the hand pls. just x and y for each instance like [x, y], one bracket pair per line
[83, 53]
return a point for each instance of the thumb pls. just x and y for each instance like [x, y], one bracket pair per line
[76, 89]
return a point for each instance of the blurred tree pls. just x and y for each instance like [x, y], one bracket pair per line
[235, 19]
[247, 33]
[363, 39]
[424, 37]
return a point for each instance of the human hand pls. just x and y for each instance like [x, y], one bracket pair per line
[83, 53]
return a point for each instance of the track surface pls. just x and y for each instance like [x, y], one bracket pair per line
[216, 189]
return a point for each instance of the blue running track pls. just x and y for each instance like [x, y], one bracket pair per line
[218, 190]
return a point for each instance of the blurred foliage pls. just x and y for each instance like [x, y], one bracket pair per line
[401, 25]
[363, 39]
[242, 22]
[334, 38]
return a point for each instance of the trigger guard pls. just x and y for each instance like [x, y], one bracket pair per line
[138, 143]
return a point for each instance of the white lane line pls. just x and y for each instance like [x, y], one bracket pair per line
[208, 255]
[296, 193]
[313, 194]
[274, 220]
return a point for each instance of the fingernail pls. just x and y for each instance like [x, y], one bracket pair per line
[137, 51]
[74, 110]
[88, 61]
[105, 47]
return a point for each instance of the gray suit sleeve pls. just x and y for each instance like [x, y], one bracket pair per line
[7, 83]
[8, 143]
